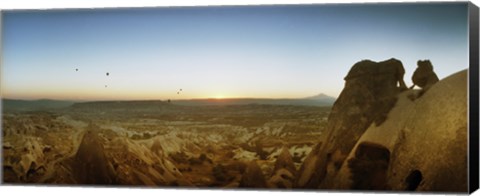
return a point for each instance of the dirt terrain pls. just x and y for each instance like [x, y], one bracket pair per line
[159, 144]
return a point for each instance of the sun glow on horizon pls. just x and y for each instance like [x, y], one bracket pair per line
[219, 96]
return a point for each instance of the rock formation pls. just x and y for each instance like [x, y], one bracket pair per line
[285, 161]
[380, 139]
[91, 164]
[370, 92]
[310, 172]
[281, 178]
[253, 177]
[424, 76]
[28, 165]
[422, 146]
[139, 164]
[284, 171]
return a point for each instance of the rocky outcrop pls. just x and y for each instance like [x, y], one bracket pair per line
[424, 144]
[253, 177]
[91, 165]
[29, 165]
[424, 76]
[96, 156]
[285, 161]
[138, 164]
[420, 145]
[308, 177]
[370, 92]
[281, 178]
[434, 139]
[284, 171]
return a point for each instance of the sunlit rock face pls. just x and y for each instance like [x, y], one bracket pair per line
[26, 167]
[422, 145]
[370, 92]
[432, 148]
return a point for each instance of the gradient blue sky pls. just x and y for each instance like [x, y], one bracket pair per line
[263, 51]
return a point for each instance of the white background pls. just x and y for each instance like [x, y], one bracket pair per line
[73, 191]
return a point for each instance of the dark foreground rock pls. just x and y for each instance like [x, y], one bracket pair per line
[91, 165]
[370, 92]
[284, 171]
[253, 177]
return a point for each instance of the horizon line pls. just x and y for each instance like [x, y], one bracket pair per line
[186, 99]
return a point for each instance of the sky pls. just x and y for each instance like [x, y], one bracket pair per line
[290, 51]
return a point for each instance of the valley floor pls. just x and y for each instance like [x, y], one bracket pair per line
[200, 146]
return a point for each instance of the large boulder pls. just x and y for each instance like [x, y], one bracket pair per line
[422, 145]
[434, 140]
[370, 91]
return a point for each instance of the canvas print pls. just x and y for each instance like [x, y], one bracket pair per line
[267, 97]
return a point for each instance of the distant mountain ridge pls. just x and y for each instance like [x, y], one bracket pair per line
[34, 105]
[119, 105]
[322, 97]
[317, 100]
[48, 104]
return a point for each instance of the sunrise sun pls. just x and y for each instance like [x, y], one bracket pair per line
[219, 96]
